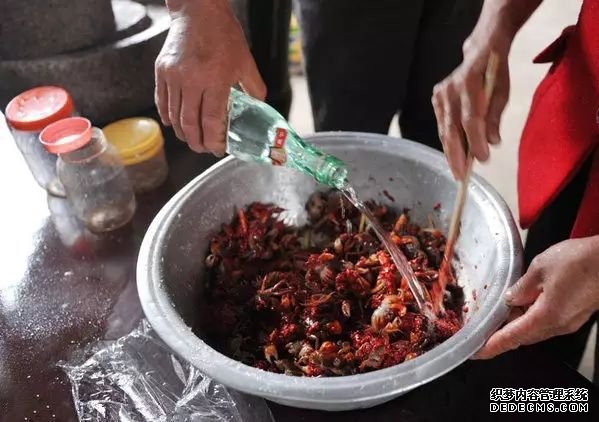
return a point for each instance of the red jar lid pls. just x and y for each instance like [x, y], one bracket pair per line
[66, 135]
[35, 109]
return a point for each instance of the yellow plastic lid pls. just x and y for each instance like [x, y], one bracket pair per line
[136, 139]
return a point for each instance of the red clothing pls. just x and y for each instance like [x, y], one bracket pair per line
[562, 129]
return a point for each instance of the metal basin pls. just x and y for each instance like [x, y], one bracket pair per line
[171, 261]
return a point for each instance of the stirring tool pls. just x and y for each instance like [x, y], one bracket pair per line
[454, 227]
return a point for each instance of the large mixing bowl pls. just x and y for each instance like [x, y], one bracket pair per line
[171, 261]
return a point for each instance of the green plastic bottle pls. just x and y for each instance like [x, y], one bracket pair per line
[258, 133]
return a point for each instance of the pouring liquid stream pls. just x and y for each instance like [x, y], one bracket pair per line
[399, 259]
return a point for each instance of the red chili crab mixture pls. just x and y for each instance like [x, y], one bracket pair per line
[324, 299]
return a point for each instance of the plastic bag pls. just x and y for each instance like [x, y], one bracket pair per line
[138, 379]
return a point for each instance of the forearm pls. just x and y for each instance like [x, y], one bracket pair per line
[500, 20]
[178, 8]
[513, 13]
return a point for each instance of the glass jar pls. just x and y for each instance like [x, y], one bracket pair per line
[27, 115]
[140, 144]
[92, 173]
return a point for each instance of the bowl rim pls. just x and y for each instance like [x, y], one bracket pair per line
[169, 325]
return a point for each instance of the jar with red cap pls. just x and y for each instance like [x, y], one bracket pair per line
[92, 174]
[27, 115]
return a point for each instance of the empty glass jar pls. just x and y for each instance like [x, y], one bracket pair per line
[92, 173]
[27, 115]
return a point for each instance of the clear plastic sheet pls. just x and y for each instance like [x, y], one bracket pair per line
[138, 379]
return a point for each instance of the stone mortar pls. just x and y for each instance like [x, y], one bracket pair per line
[107, 82]
[31, 29]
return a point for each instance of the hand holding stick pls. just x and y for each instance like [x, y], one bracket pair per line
[445, 272]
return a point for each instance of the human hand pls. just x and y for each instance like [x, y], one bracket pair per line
[461, 104]
[460, 101]
[205, 53]
[559, 292]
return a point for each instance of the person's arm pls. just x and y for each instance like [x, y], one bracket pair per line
[205, 53]
[459, 100]
[556, 296]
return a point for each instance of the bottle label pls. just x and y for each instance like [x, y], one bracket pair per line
[278, 154]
